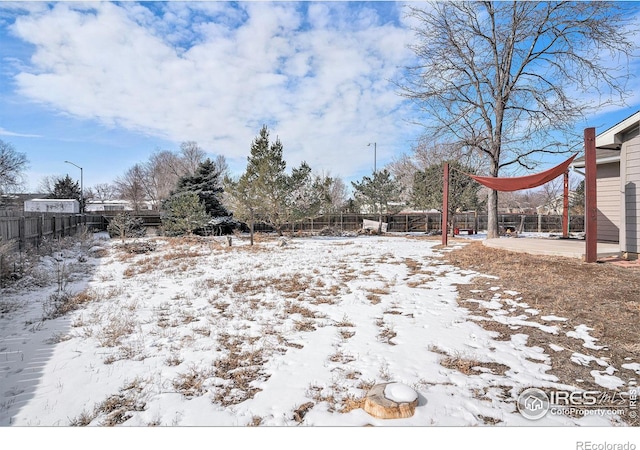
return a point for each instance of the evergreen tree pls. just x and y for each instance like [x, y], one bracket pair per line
[243, 200]
[266, 169]
[377, 192]
[308, 193]
[578, 197]
[463, 190]
[206, 183]
[66, 188]
[184, 213]
[265, 192]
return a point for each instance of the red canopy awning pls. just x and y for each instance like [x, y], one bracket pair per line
[526, 182]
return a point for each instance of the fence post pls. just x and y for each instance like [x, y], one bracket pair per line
[539, 223]
[21, 233]
[40, 230]
[445, 203]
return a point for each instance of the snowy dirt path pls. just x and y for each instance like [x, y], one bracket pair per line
[194, 333]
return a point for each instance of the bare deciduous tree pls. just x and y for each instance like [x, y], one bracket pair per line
[425, 154]
[192, 155]
[506, 79]
[101, 192]
[12, 163]
[161, 175]
[131, 186]
[47, 184]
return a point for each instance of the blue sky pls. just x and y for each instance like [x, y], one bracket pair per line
[104, 85]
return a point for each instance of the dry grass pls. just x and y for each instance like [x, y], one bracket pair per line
[116, 408]
[238, 370]
[345, 322]
[291, 308]
[386, 333]
[301, 411]
[115, 330]
[470, 366]
[341, 357]
[191, 383]
[603, 297]
[63, 302]
[345, 334]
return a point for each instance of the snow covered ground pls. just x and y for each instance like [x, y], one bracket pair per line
[195, 333]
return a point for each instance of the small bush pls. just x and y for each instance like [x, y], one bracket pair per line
[7, 260]
[125, 226]
[62, 302]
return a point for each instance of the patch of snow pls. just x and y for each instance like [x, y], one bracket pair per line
[556, 348]
[582, 332]
[400, 393]
[633, 366]
[606, 379]
[553, 318]
[520, 321]
[585, 360]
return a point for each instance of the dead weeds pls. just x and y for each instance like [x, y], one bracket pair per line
[603, 297]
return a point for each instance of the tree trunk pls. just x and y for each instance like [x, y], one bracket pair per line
[492, 201]
[492, 217]
[452, 223]
[251, 228]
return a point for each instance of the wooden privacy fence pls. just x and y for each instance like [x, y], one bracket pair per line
[431, 222]
[29, 230]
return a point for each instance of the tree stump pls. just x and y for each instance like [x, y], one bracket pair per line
[391, 401]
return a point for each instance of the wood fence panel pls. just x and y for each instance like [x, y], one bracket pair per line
[30, 229]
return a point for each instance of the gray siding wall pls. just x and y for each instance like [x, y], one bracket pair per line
[608, 190]
[631, 186]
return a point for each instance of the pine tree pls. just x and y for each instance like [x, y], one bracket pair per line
[206, 183]
[308, 193]
[264, 191]
[266, 168]
[66, 188]
[184, 213]
[377, 193]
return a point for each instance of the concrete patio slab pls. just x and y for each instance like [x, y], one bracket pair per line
[570, 248]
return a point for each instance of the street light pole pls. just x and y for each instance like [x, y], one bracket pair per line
[81, 187]
[374, 155]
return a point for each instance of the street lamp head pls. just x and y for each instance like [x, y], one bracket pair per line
[73, 164]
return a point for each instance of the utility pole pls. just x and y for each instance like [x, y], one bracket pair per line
[374, 155]
[81, 186]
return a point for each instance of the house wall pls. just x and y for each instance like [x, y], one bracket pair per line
[59, 206]
[608, 201]
[630, 235]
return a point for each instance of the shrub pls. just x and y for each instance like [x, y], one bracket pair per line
[184, 213]
[125, 226]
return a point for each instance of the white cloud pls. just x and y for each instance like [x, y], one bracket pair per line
[4, 132]
[214, 73]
